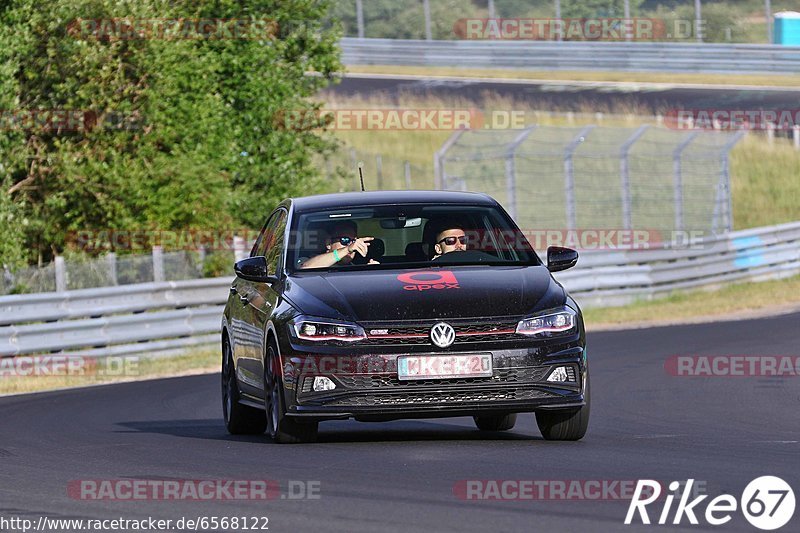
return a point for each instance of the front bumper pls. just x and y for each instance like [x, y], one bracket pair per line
[367, 387]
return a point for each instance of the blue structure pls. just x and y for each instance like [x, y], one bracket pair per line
[787, 28]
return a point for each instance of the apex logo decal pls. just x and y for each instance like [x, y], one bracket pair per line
[429, 279]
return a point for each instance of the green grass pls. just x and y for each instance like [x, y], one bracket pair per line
[765, 177]
[740, 299]
[765, 80]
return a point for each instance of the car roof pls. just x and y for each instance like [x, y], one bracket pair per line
[357, 199]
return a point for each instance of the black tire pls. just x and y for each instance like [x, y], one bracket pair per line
[239, 419]
[565, 425]
[281, 428]
[496, 422]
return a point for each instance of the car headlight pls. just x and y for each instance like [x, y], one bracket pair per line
[550, 324]
[322, 330]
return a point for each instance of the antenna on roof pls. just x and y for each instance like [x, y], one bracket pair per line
[361, 174]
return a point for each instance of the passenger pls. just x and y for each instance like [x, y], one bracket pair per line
[341, 247]
[451, 238]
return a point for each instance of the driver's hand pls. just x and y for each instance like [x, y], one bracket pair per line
[373, 262]
[360, 245]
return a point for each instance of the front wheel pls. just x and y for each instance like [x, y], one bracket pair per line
[565, 425]
[239, 419]
[281, 428]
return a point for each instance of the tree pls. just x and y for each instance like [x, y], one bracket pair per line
[169, 132]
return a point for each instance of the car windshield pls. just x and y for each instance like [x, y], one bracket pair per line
[405, 235]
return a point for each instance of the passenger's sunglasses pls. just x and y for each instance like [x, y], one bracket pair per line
[451, 241]
[344, 240]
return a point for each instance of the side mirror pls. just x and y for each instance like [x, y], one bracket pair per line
[253, 269]
[559, 258]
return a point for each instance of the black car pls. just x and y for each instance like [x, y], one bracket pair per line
[405, 304]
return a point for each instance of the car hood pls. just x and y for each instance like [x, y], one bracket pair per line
[467, 291]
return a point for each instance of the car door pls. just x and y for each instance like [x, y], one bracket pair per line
[261, 299]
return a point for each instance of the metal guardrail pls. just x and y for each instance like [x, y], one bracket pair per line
[609, 278]
[114, 320]
[162, 316]
[571, 55]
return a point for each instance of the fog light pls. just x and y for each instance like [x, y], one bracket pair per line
[321, 383]
[559, 374]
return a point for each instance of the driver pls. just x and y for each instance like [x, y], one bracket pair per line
[451, 238]
[341, 247]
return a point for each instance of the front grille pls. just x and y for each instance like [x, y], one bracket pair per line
[442, 397]
[416, 334]
[388, 381]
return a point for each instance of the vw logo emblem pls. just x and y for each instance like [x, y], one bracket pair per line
[443, 334]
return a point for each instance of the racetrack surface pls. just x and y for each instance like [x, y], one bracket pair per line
[572, 96]
[399, 476]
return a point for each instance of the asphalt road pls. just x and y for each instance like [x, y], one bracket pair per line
[399, 476]
[574, 96]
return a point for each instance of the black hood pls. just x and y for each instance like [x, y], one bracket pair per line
[463, 291]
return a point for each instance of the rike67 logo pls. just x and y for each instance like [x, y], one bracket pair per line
[429, 280]
[767, 503]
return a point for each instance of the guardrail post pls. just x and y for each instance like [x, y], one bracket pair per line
[491, 9]
[796, 137]
[569, 178]
[239, 248]
[559, 22]
[111, 260]
[407, 172]
[768, 12]
[360, 18]
[438, 160]
[61, 274]
[379, 172]
[354, 164]
[158, 264]
[511, 171]
[723, 207]
[698, 21]
[426, 5]
[677, 178]
[627, 222]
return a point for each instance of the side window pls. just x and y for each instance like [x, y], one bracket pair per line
[274, 249]
[267, 234]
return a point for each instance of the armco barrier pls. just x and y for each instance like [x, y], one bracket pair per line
[164, 316]
[607, 278]
[114, 320]
[574, 55]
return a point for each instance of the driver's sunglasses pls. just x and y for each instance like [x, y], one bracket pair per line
[451, 241]
[344, 241]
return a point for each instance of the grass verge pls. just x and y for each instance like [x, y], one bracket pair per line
[197, 361]
[742, 300]
[760, 80]
[764, 176]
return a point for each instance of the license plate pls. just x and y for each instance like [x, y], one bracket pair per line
[444, 366]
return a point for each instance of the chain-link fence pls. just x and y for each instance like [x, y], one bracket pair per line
[108, 270]
[597, 177]
[381, 172]
[743, 21]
